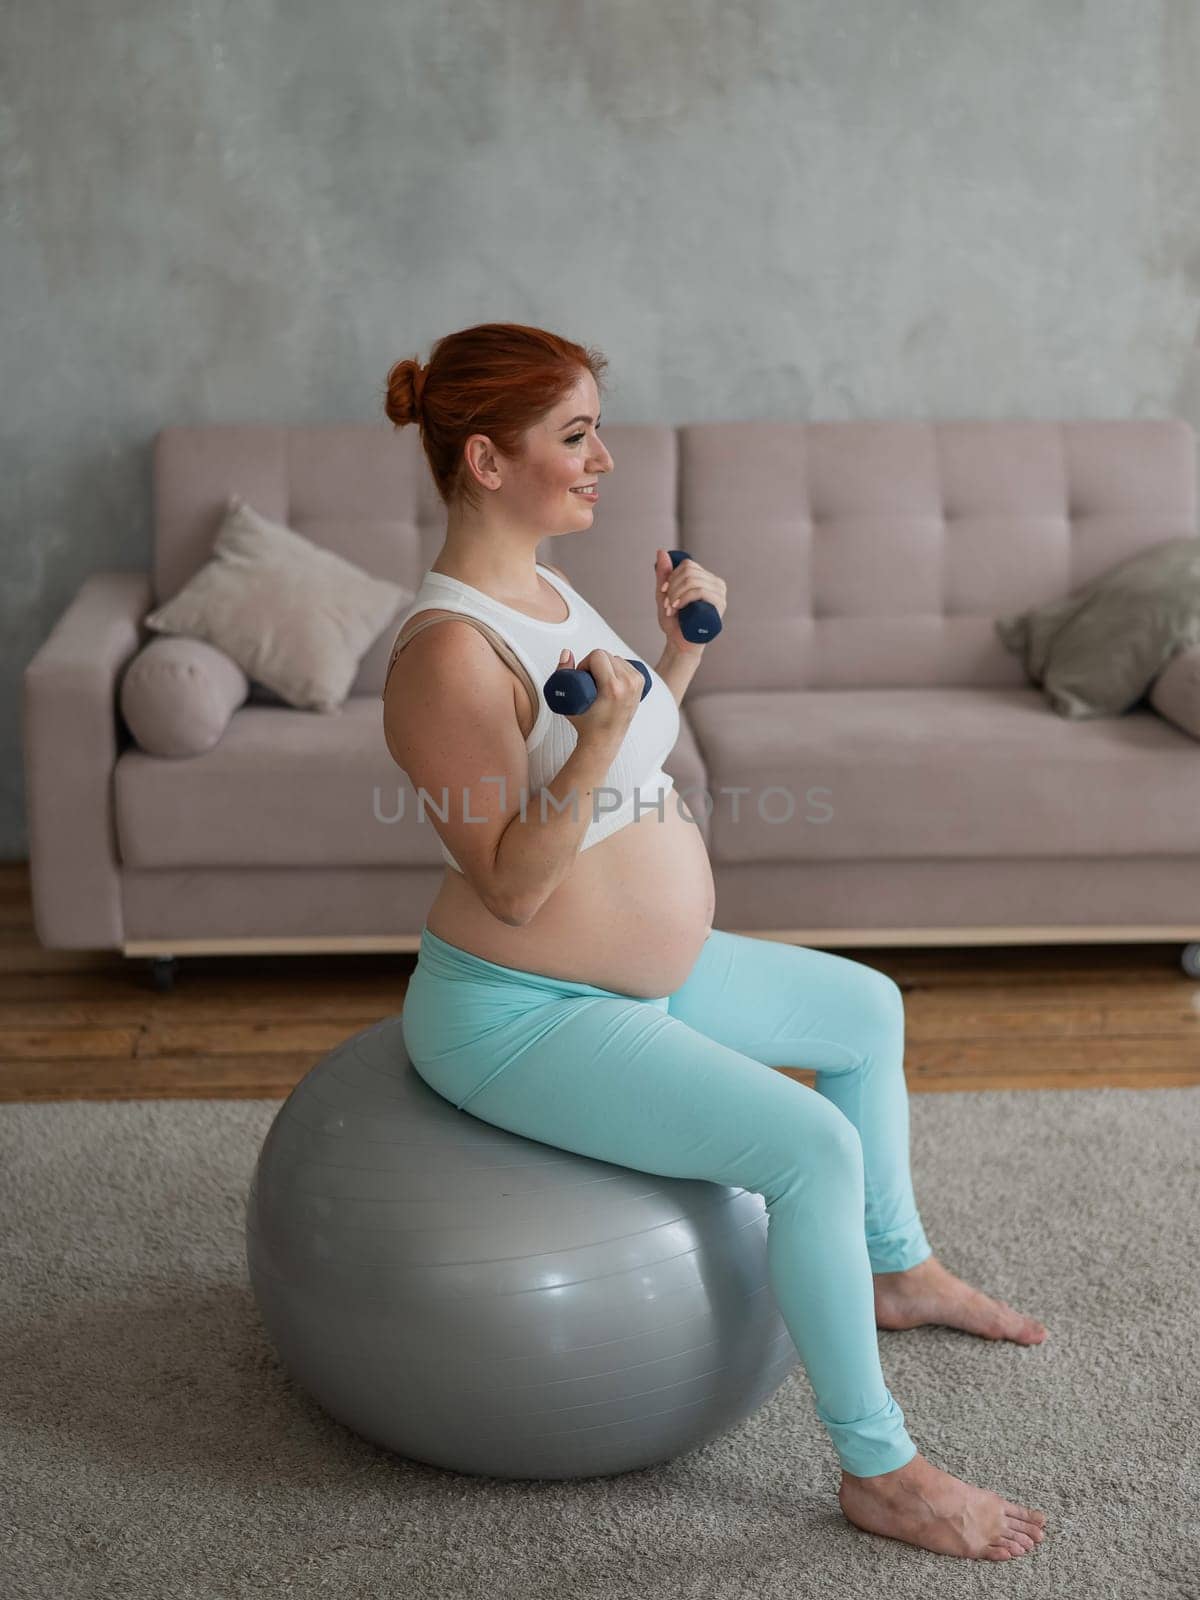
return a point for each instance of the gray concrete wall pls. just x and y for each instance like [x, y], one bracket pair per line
[773, 208]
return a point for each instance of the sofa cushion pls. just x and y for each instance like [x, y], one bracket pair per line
[873, 773]
[1176, 691]
[1098, 651]
[284, 788]
[178, 694]
[951, 772]
[295, 617]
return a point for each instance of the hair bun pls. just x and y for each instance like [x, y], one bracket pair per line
[406, 385]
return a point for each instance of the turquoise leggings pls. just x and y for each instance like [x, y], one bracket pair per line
[684, 1085]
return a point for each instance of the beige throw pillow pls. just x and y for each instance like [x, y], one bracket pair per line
[295, 617]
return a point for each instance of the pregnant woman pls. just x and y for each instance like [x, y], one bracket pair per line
[570, 986]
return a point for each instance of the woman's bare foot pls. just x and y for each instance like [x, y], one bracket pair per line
[928, 1293]
[925, 1506]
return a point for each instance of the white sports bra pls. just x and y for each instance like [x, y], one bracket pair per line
[531, 647]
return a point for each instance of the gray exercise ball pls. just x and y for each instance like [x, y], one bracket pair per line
[491, 1304]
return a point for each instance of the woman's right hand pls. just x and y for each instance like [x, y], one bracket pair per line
[619, 689]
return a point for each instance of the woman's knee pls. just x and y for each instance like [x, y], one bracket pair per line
[818, 1148]
[878, 1006]
[839, 1138]
[878, 992]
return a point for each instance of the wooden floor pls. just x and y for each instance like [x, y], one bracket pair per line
[91, 1026]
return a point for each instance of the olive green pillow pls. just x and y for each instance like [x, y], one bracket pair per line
[1097, 652]
[1176, 691]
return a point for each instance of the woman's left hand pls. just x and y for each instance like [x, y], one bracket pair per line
[675, 587]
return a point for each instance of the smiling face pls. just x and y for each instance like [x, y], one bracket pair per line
[563, 452]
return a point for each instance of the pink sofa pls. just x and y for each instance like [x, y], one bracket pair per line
[859, 682]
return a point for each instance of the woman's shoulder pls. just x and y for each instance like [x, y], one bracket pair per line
[419, 623]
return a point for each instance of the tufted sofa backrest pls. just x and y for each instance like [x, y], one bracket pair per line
[857, 553]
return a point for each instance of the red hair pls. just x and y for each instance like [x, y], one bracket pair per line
[498, 378]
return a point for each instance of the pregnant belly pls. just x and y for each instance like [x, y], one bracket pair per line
[632, 914]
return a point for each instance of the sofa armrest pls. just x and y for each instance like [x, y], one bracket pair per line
[71, 737]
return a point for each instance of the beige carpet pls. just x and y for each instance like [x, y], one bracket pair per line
[153, 1447]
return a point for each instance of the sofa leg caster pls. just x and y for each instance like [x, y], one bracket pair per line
[162, 972]
[1190, 960]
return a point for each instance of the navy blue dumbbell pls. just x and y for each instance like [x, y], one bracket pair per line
[571, 690]
[699, 620]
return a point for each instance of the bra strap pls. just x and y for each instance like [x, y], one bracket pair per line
[502, 649]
